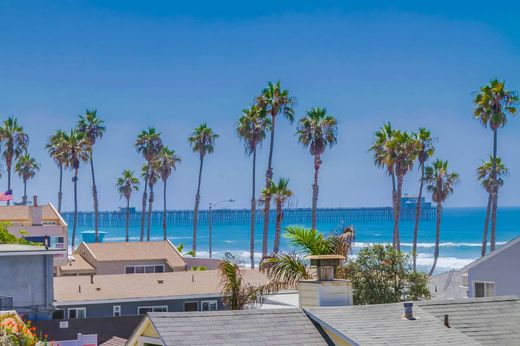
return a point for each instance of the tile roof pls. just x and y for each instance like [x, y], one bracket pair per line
[491, 321]
[115, 341]
[154, 285]
[244, 327]
[77, 264]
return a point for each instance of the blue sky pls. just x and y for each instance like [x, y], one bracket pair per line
[173, 65]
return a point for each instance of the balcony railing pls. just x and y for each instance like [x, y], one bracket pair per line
[6, 303]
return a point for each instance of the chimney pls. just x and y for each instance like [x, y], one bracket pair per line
[35, 212]
[35, 200]
[408, 311]
[326, 290]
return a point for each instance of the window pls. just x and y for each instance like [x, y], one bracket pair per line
[58, 314]
[208, 305]
[116, 310]
[484, 289]
[144, 309]
[129, 270]
[140, 269]
[77, 312]
[159, 269]
[191, 306]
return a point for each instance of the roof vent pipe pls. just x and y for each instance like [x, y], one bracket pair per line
[447, 321]
[408, 311]
[91, 278]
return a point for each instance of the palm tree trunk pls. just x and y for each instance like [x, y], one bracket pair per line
[95, 197]
[317, 163]
[60, 194]
[253, 214]
[150, 202]
[437, 238]
[75, 222]
[494, 188]
[417, 218]
[24, 192]
[397, 212]
[9, 178]
[268, 178]
[196, 210]
[165, 237]
[486, 224]
[394, 193]
[145, 194]
[278, 227]
[127, 217]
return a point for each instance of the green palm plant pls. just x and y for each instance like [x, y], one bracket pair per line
[493, 104]
[167, 163]
[275, 101]
[93, 128]
[14, 143]
[202, 141]
[126, 184]
[75, 151]
[148, 144]
[279, 193]
[485, 175]
[440, 183]
[26, 167]
[54, 147]
[252, 127]
[151, 173]
[317, 130]
[426, 149]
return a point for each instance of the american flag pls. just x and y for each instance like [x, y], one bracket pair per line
[6, 196]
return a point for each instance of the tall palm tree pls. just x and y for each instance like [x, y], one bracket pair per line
[440, 183]
[493, 104]
[14, 143]
[275, 101]
[150, 171]
[167, 162]
[55, 148]
[317, 130]
[148, 144]
[426, 150]
[75, 150]
[26, 167]
[126, 184]
[93, 128]
[251, 128]
[279, 193]
[485, 175]
[202, 141]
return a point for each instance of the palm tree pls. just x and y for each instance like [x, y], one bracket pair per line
[55, 148]
[317, 130]
[251, 129]
[275, 101]
[126, 184]
[485, 175]
[202, 141]
[426, 150]
[148, 144]
[440, 183]
[153, 176]
[493, 103]
[279, 193]
[75, 150]
[14, 142]
[167, 162]
[26, 168]
[93, 128]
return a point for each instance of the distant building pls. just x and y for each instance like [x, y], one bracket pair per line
[408, 202]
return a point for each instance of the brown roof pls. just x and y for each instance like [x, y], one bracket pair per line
[115, 341]
[77, 264]
[21, 213]
[156, 285]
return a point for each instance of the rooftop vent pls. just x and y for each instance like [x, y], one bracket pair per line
[447, 321]
[408, 311]
[160, 281]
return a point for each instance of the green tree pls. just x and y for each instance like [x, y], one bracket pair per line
[275, 101]
[54, 147]
[426, 149]
[202, 141]
[317, 130]
[93, 128]
[152, 172]
[493, 104]
[7, 238]
[148, 144]
[485, 175]
[381, 274]
[279, 193]
[14, 143]
[251, 129]
[126, 184]
[26, 167]
[440, 183]
[167, 162]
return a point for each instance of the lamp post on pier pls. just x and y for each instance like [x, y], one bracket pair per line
[210, 220]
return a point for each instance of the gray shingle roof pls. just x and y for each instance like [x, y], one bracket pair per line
[246, 327]
[384, 324]
[491, 321]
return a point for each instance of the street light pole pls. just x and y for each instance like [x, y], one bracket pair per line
[210, 221]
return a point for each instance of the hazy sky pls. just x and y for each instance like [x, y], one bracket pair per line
[173, 65]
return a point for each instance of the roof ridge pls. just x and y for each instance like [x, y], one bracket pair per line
[468, 300]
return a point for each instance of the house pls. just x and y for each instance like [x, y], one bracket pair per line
[26, 279]
[137, 294]
[37, 223]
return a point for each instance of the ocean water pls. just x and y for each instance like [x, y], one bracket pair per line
[461, 236]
